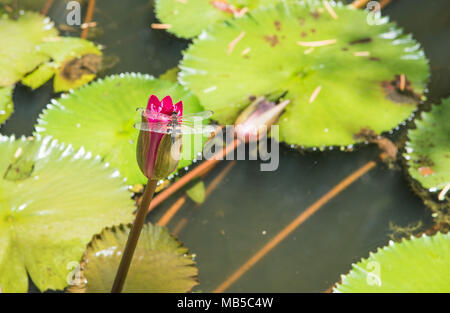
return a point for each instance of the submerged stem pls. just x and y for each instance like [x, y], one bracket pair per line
[196, 172]
[47, 6]
[88, 18]
[133, 238]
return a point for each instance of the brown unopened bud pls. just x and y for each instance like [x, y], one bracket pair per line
[257, 118]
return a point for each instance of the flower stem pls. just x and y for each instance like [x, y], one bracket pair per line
[133, 238]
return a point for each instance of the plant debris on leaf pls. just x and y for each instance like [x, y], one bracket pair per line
[415, 265]
[179, 14]
[428, 148]
[74, 62]
[32, 52]
[160, 263]
[342, 75]
[101, 116]
[53, 199]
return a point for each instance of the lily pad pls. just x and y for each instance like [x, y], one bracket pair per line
[74, 62]
[18, 53]
[428, 148]
[171, 74]
[160, 263]
[100, 117]
[53, 199]
[197, 193]
[179, 14]
[343, 76]
[415, 265]
[6, 104]
[32, 52]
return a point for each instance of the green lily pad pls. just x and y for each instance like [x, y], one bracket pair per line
[33, 5]
[197, 193]
[6, 104]
[18, 53]
[343, 76]
[428, 148]
[100, 118]
[74, 62]
[53, 199]
[160, 263]
[180, 13]
[171, 74]
[33, 52]
[415, 265]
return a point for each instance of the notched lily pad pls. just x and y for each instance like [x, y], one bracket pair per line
[53, 199]
[6, 103]
[74, 62]
[171, 74]
[415, 265]
[179, 14]
[100, 117]
[160, 263]
[18, 53]
[428, 148]
[340, 79]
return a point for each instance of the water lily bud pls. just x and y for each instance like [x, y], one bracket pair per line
[159, 147]
[257, 118]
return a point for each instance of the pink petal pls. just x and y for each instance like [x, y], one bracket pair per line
[154, 104]
[167, 105]
[179, 108]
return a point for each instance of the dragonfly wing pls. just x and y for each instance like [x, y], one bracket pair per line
[156, 127]
[196, 116]
[198, 129]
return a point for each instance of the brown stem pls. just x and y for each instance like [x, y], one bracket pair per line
[88, 19]
[196, 172]
[47, 6]
[384, 3]
[294, 224]
[133, 238]
[170, 213]
[358, 4]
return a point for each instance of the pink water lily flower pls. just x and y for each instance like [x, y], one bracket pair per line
[158, 151]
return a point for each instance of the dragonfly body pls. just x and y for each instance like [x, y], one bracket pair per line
[176, 125]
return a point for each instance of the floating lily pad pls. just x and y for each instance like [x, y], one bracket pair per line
[343, 75]
[179, 14]
[18, 53]
[74, 62]
[53, 199]
[32, 52]
[428, 148]
[415, 265]
[171, 74]
[100, 117]
[32, 5]
[160, 263]
[6, 104]
[197, 193]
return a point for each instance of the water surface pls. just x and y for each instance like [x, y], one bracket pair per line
[249, 207]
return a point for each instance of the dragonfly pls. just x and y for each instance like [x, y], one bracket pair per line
[191, 123]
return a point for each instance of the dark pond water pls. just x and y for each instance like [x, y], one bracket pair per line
[249, 207]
